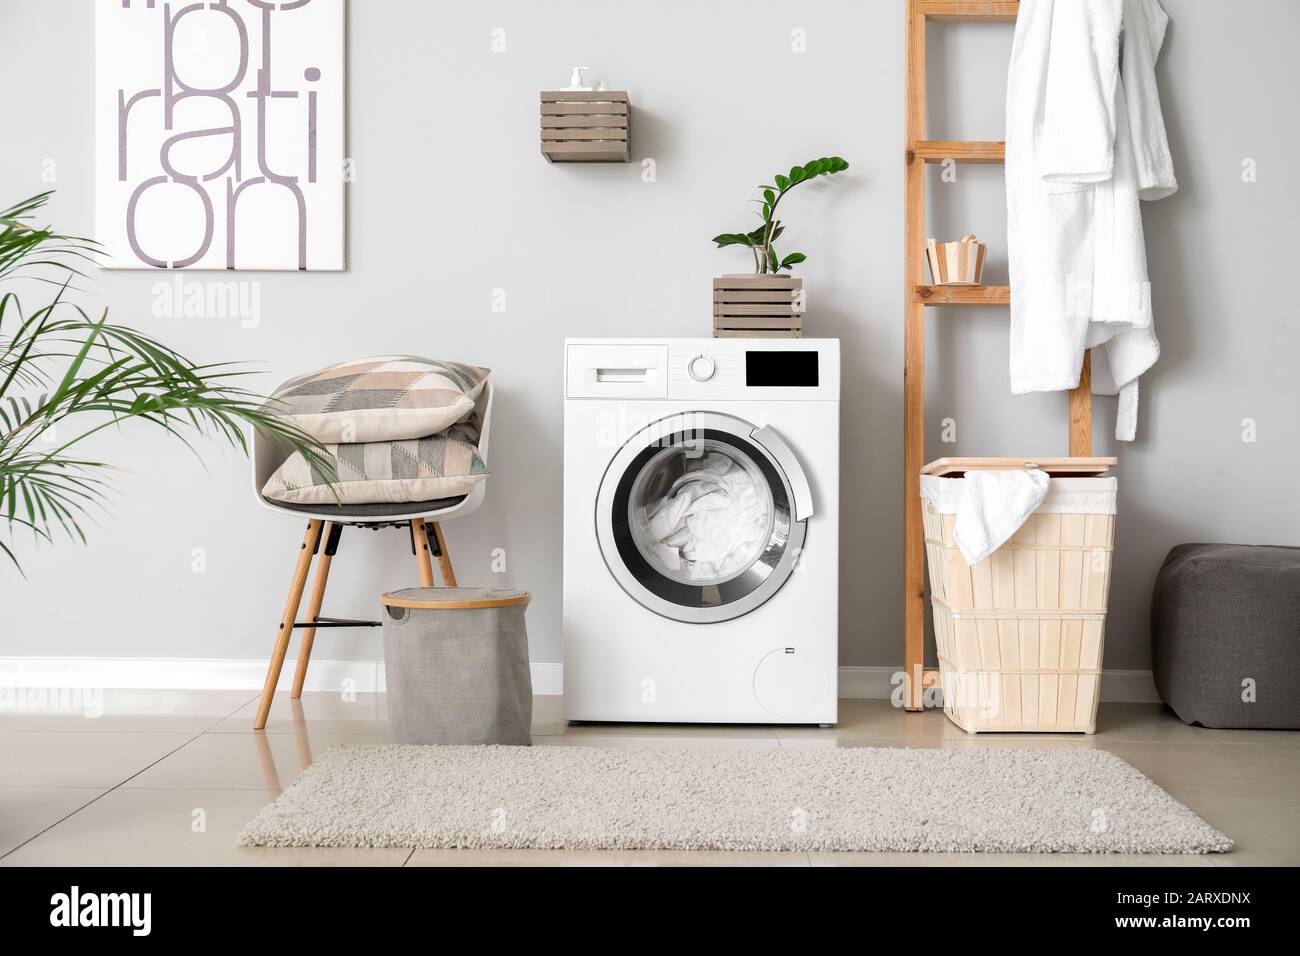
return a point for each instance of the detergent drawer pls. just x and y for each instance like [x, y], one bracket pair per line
[616, 371]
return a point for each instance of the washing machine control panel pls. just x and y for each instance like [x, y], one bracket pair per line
[704, 369]
[694, 369]
[715, 367]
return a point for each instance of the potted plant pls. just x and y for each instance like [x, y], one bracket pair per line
[65, 376]
[770, 300]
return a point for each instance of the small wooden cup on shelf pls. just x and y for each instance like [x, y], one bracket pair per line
[956, 263]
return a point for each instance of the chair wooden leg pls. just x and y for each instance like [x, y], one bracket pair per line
[420, 541]
[330, 535]
[309, 543]
[444, 557]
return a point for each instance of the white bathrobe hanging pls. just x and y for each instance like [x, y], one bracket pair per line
[1085, 140]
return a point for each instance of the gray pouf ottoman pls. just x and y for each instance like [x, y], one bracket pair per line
[456, 666]
[1225, 635]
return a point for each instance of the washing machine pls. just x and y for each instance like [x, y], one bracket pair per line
[701, 530]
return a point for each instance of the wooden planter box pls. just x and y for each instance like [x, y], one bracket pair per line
[585, 127]
[758, 306]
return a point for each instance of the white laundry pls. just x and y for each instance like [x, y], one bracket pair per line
[712, 522]
[993, 506]
[1085, 141]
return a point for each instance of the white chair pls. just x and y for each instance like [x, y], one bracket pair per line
[326, 523]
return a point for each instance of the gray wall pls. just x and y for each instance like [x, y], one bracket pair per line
[452, 201]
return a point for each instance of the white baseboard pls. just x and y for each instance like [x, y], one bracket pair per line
[195, 673]
[171, 673]
[548, 678]
[192, 673]
[1120, 686]
[1131, 687]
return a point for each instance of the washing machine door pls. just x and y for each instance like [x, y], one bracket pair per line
[701, 516]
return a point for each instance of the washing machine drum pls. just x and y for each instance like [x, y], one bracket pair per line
[701, 517]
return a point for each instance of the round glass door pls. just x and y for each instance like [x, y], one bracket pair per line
[694, 519]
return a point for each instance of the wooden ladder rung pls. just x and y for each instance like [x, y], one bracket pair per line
[961, 151]
[963, 294]
[968, 9]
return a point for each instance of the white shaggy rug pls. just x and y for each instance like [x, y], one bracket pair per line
[580, 797]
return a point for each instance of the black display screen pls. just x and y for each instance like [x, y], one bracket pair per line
[781, 369]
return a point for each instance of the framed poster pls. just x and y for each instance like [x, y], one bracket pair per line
[219, 134]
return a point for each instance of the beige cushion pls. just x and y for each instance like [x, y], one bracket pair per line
[439, 466]
[389, 398]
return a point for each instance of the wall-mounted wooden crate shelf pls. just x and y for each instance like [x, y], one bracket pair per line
[758, 306]
[585, 127]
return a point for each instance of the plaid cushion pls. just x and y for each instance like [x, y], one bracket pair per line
[439, 466]
[389, 398]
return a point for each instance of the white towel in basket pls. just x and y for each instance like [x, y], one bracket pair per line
[994, 504]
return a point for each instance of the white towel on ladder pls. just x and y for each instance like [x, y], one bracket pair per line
[1085, 141]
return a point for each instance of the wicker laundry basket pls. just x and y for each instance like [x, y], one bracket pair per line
[1019, 635]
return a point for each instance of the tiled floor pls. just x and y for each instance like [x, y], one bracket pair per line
[167, 777]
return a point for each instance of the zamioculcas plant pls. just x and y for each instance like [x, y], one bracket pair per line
[65, 376]
[760, 240]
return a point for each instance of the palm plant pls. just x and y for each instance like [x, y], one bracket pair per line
[64, 376]
[760, 240]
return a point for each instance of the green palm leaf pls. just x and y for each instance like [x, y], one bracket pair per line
[65, 376]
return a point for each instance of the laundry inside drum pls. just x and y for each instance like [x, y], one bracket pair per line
[701, 513]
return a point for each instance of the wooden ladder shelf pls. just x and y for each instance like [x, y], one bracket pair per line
[917, 296]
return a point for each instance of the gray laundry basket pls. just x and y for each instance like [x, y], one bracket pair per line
[456, 665]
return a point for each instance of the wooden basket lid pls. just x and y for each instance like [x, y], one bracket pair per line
[1063, 467]
[455, 599]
